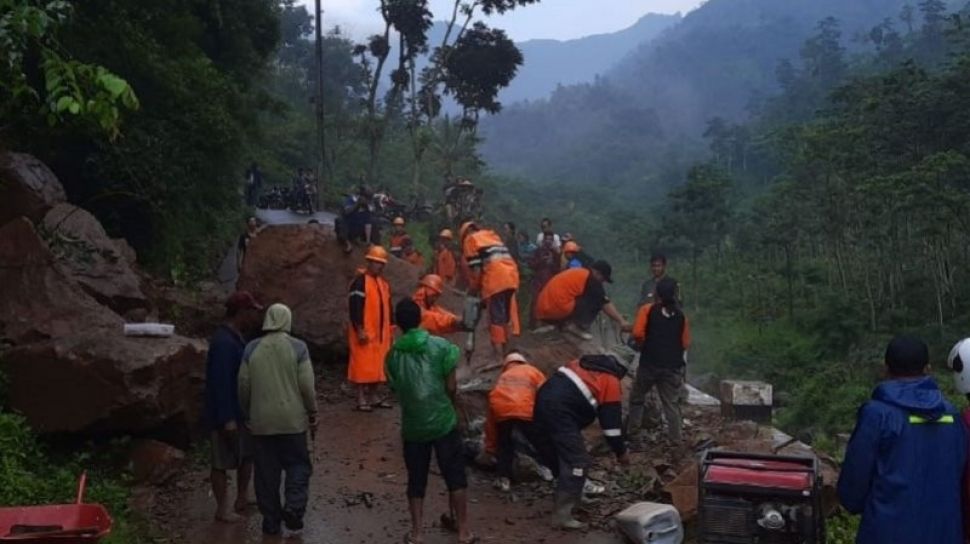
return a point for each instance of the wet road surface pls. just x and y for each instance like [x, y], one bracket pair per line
[357, 453]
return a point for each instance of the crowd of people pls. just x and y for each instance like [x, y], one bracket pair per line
[260, 398]
[904, 466]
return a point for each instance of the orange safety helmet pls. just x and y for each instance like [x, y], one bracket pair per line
[399, 221]
[377, 254]
[465, 227]
[433, 282]
[447, 234]
[571, 247]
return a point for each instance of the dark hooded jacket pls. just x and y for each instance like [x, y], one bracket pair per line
[904, 464]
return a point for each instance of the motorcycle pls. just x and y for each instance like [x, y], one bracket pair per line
[275, 199]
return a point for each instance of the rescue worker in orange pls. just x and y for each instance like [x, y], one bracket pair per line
[575, 297]
[495, 277]
[570, 256]
[570, 400]
[444, 258]
[399, 238]
[369, 335]
[510, 406]
[435, 319]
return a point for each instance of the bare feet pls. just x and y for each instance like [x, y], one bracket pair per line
[228, 517]
[244, 504]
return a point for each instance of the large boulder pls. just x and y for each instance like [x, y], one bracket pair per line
[99, 264]
[27, 187]
[38, 300]
[97, 381]
[305, 268]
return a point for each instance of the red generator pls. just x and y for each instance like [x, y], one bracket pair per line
[759, 499]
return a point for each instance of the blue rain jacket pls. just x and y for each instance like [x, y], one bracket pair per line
[904, 466]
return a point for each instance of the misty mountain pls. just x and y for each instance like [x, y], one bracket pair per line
[549, 63]
[718, 61]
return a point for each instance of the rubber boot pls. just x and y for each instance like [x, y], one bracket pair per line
[563, 514]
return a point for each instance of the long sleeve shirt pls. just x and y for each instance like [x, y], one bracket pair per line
[276, 385]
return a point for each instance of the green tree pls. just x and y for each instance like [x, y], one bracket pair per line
[42, 80]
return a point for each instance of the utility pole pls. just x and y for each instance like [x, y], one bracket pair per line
[322, 159]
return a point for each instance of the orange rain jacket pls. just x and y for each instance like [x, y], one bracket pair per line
[557, 300]
[370, 308]
[513, 397]
[444, 264]
[435, 319]
[493, 268]
[398, 241]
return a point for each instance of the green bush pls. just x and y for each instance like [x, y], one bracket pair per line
[30, 474]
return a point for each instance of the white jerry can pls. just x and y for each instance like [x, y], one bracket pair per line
[651, 523]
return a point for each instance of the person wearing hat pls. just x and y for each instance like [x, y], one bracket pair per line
[231, 444]
[570, 255]
[510, 406]
[575, 297]
[662, 333]
[495, 277]
[905, 462]
[399, 238]
[369, 335]
[444, 258]
[278, 396]
[434, 318]
[577, 394]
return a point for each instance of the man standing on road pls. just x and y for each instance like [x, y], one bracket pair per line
[662, 333]
[399, 238]
[277, 393]
[231, 442]
[905, 461]
[576, 395]
[369, 334]
[254, 184]
[444, 258]
[421, 372]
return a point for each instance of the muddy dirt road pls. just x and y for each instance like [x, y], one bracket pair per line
[358, 461]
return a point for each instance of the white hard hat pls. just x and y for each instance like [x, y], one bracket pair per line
[959, 363]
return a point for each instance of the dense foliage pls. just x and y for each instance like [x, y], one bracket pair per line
[835, 217]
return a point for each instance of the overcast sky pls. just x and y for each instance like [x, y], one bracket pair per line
[558, 19]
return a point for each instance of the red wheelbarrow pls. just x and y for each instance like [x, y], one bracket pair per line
[76, 523]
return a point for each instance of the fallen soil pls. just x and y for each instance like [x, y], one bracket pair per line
[357, 493]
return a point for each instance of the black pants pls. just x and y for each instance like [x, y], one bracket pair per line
[561, 447]
[451, 463]
[515, 435]
[588, 306]
[274, 455]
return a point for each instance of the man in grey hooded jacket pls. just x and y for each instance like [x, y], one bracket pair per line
[277, 395]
